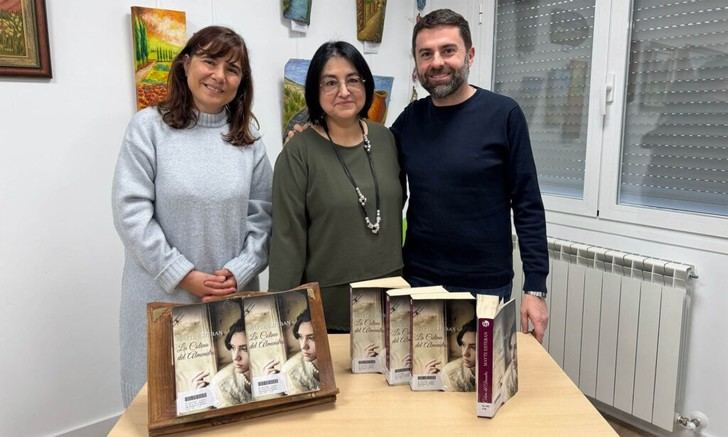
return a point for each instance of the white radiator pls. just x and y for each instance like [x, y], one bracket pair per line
[616, 325]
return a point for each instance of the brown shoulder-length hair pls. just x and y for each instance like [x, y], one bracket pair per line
[178, 109]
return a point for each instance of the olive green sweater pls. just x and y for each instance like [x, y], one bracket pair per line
[319, 233]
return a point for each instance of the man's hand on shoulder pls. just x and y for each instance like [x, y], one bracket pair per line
[297, 128]
[534, 309]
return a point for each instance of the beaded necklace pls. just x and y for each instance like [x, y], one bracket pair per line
[361, 199]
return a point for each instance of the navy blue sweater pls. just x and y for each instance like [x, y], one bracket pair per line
[467, 166]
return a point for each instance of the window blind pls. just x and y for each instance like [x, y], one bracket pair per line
[675, 136]
[543, 61]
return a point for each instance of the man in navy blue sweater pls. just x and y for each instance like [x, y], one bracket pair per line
[467, 157]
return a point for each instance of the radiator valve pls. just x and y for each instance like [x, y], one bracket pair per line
[694, 421]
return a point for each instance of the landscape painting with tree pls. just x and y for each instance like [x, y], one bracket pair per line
[159, 34]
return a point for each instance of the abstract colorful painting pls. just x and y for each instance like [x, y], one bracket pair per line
[297, 10]
[370, 19]
[24, 39]
[159, 34]
[294, 102]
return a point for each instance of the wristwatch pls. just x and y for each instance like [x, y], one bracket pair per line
[539, 294]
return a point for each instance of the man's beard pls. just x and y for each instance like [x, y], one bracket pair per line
[442, 90]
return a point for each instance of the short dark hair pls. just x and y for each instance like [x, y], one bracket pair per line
[467, 327]
[305, 316]
[443, 17]
[238, 326]
[178, 109]
[325, 52]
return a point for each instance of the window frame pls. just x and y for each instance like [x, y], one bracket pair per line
[599, 203]
[609, 208]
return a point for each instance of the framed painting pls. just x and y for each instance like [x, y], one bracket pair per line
[159, 35]
[297, 10]
[24, 48]
[370, 20]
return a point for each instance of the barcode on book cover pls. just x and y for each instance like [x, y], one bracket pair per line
[194, 397]
[269, 385]
[367, 365]
[426, 382]
[195, 400]
[398, 376]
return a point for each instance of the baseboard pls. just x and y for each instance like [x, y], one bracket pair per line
[98, 428]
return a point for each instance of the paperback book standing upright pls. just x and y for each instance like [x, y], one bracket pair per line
[397, 325]
[367, 323]
[497, 375]
[442, 341]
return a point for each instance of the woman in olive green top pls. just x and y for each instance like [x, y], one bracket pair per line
[337, 197]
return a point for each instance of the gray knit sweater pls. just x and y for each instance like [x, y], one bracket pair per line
[184, 199]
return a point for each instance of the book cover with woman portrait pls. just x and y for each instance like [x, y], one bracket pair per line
[266, 346]
[367, 323]
[199, 334]
[435, 319]
[301, 367]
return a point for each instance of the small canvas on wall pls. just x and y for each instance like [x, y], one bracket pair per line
[370, 20]
[297, 10]
[294, 102]
[380, 101]
[159, 34]
[24, 39]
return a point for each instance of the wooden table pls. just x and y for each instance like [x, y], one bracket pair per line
[547, 403]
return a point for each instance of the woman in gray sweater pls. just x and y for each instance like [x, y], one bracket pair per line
[191, 192]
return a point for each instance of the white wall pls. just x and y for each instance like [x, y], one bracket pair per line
[60, 256]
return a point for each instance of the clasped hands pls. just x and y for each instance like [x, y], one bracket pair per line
[209, 286]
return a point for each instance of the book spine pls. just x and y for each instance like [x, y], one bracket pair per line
[411, 333]
[387, 334]
[351, 324]
[485, 360]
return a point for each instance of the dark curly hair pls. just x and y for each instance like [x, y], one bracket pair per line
[467, 327]
[305, 316]
[238, 326]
